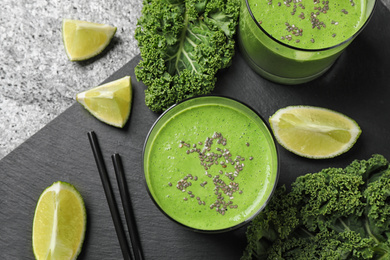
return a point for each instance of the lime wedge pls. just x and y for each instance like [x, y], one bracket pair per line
[59, 223]
[110, 103]
[84, 40]
[314, 132]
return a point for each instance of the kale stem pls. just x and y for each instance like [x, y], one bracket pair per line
[306, 232]
[345, 225]
[384, 257]
[367, 226]
[182, 38]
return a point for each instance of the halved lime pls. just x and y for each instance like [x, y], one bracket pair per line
[314, 132]
[84, 40]
[110, 103]
[59, 223]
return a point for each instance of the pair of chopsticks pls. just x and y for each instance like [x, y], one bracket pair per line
[126, 203]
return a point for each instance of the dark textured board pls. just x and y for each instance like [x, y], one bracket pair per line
[357, 85]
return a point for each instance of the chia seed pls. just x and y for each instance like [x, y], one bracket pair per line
[210, 159]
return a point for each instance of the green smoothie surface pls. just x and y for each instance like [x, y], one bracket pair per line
[210, 166]
[310, 24]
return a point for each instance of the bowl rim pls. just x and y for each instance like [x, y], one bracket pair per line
[277, 173]
[312, 50]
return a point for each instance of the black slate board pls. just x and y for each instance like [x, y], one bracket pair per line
[357, 85]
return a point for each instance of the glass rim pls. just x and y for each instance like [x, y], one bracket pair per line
[311, 50]
[249, 219]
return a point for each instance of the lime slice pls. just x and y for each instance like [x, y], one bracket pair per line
[84, 40]
[59, 223]
[110, 103]
[314, 132]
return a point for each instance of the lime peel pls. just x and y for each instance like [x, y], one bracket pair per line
[314, 132]
[110, 102]
[59, 223]
[84, 40]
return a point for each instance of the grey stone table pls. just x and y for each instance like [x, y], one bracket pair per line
[37, 81]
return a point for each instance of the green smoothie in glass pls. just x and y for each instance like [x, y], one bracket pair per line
[295, 41]
[210, 164]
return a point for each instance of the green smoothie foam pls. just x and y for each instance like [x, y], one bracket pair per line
[310, 24]
[210, 166]
[295, 41]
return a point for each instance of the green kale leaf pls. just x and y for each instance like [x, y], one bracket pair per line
[183, 44]
[333, 214]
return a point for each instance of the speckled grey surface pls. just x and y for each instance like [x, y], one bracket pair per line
[37, 81]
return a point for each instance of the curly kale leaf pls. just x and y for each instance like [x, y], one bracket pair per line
[183, 44]
[377, 196]
[333, 214]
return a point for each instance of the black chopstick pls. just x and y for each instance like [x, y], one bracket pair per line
[110, 196]
[125, 196]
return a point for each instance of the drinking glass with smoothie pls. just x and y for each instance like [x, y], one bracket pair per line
[210, 164]
[295, 41]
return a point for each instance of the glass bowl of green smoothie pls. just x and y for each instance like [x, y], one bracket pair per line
[210, 163]
[296, 41]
